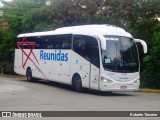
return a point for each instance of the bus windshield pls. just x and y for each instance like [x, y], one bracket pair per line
[120, 55]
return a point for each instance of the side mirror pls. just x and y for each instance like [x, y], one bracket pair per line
[103, 42]
[143, 43]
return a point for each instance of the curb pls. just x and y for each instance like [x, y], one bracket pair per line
[149, 91]
[12, 76]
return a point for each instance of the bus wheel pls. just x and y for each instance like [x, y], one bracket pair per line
[29, 75]
[77, 83]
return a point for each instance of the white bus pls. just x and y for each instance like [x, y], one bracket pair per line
[100, 57]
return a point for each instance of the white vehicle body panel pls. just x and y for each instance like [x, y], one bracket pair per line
[63, 71]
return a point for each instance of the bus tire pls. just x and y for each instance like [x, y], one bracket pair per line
[29, 75]
[77, 83]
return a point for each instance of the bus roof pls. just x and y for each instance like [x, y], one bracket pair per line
[99, 30]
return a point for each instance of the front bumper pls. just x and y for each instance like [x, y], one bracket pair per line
[119, 86]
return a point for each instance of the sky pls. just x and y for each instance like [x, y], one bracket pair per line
[2, 4]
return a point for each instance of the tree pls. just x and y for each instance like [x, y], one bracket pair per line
[151, 73]
[10, 26]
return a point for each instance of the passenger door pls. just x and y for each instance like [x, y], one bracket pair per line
[95, 64]
[88, 60]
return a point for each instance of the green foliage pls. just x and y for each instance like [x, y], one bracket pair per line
[14, 13]
[6, 43]
[151, 73]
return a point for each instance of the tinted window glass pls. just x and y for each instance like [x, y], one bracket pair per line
[18, 40]
[94, 50]
[63, 41]
[48, 42]
[87, 47]
[22, 42]
[37, 39]
[81, 46]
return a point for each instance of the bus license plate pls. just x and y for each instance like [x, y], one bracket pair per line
[123, 87]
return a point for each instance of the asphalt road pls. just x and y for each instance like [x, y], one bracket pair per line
[17, 94]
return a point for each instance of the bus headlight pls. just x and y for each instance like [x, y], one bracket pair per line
[137, 81]
[103, 79]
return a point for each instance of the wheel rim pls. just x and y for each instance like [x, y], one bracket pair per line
[29, 77]
[77, 84]
[29, 74]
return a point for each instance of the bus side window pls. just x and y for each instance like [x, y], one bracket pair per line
[29, 39]
[64, 41]
[37, 39]
[50, 44]
[47, 42]
[18, 40]
[81, 46]
[58, 42]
